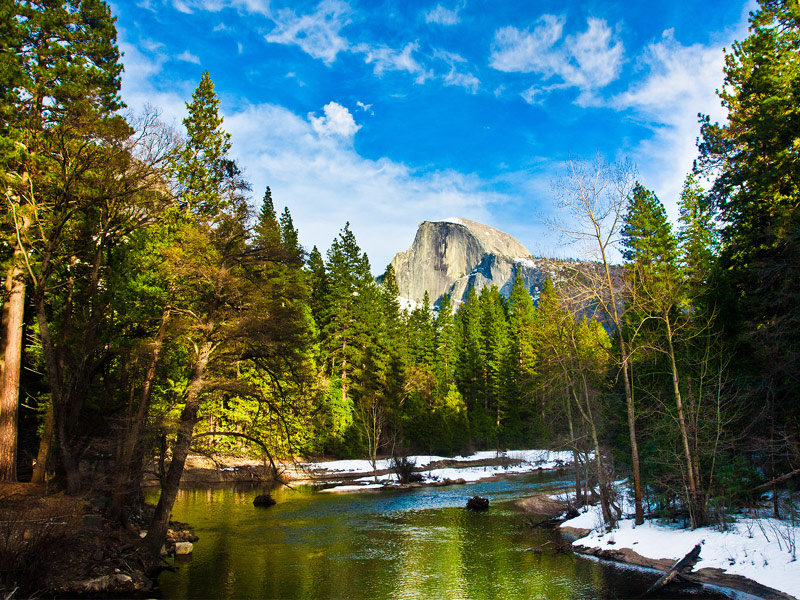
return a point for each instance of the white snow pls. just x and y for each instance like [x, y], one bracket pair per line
[526, 262]
[759, 549]
[531, 460]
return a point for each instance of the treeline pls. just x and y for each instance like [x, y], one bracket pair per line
[149, 311]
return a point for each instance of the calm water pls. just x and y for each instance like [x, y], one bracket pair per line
[417, 543]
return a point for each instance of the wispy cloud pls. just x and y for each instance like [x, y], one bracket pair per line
[248, 6]
[678, 82]
[384, 58]
[316, 33]
[455, 76]
[443, 16]
[588, 61]
[187, 56]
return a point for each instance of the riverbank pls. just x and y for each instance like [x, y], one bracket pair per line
[755, 556]
[55, 545]
[361, 475]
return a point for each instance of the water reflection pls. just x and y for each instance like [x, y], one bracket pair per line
[404, 544]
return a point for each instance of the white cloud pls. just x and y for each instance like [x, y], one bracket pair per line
[454, 76]
[598, 56]
[326, 183]
[528, 51]
[679, 82]
[249, 6]
[187, 56]
[588, 60]
[367, 108]
[383, 58]
[336, 122]
[151, 45]
[442, 15]
[532, 95]
[317, 33]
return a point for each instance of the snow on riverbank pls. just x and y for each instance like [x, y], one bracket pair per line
[763, 550]
[509, 462]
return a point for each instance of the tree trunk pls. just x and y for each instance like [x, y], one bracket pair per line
[629, 405]
[575, 453]
[696, 509]
[13, 313]
[45, 444]
[169, 491]
[122, 481]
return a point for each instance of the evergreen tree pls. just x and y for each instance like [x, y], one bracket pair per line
[289, 237]
[67, 176]
[756, 168]
[447, 345]
[348, 275]
[209, 265]
[520, 363]
[494, 337]
[318, 280]
[698, 237]
[203, 171]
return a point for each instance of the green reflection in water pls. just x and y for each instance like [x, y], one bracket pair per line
[404, 544]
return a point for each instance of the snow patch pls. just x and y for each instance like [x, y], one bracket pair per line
[759, 549]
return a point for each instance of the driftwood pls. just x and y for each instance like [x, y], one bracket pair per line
[684, 564]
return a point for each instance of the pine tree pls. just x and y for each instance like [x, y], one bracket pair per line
[447, 344]
[210, 261]
[290, 240]
[61, 145]
[698, 237]
[494, 337]
[348, 274]
[754, 161]
[658, 292]
[469, 366]
[204, 173]
[318, 280]
[520, 363]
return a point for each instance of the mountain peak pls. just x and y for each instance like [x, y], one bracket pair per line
[450, 256]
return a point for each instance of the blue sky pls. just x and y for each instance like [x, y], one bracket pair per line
[386, 113]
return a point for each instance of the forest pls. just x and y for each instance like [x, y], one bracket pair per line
[156, 305]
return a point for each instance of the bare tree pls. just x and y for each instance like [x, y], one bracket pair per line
[593, 196]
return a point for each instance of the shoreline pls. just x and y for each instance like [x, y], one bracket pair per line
[709, 576]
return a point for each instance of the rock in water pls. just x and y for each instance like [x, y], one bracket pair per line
[183, 548]
[449, 257]
[264, 500]
[478, 503]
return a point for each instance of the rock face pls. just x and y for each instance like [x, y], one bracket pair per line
[451, 256]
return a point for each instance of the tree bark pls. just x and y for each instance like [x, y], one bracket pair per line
[122, 481]
[13, 313]
[169, 491]
[696, 508]
[45, 444]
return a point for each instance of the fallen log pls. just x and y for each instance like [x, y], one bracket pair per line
[684, 564]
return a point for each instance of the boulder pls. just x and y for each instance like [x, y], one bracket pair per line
[264, 500]
[183, 548]
[478, 503]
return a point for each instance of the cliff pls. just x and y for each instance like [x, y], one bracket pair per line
[449, 257]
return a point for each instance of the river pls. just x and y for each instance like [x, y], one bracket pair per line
[416, 543]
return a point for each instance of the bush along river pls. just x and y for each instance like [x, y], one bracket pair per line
[402, 543]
